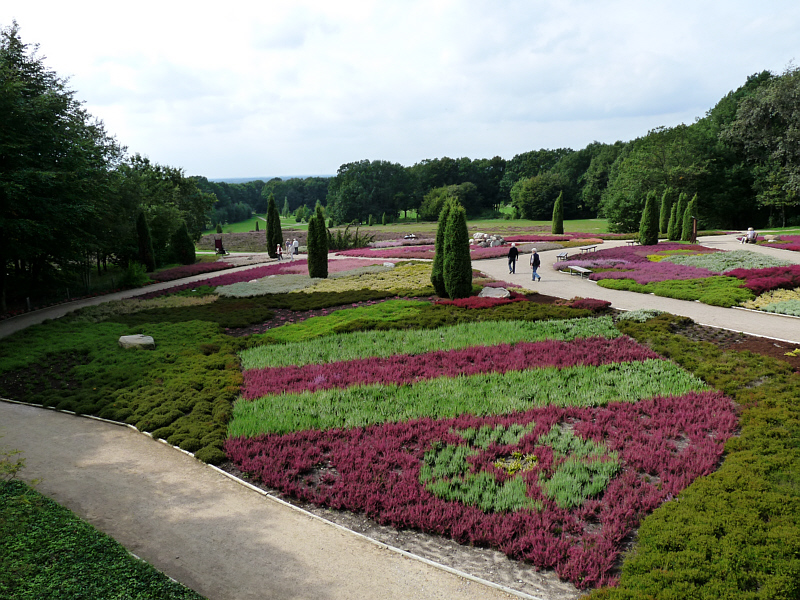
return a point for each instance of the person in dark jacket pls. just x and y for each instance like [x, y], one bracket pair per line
[535, 263]
[513, 254]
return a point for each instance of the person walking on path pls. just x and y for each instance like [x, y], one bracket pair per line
[295, 248]
[513, 254]
[279, 252]
[535, 264]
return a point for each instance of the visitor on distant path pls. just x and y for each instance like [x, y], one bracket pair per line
[750, 237]
[279, 252]
[513, 254]
[295, 248]
[535, 264]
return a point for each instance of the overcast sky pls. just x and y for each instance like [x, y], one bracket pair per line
[239, 88]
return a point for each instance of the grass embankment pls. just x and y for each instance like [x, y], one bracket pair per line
[48, 552]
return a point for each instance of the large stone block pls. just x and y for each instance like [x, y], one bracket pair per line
[137, 341]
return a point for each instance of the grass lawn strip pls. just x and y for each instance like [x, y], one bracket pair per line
[404, 368]
[48, 552]
[661, 444]
[366, 344]
[489, 393]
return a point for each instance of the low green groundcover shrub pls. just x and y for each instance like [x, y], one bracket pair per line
[736, 532]
[48, 552]
[182, 391]
[716, 291]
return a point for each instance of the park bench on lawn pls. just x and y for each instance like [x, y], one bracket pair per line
[585, 249]
[582, 271]
[632, 242]
[562, 256]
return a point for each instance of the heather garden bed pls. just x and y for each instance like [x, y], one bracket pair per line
[547, 430]
[692, 272]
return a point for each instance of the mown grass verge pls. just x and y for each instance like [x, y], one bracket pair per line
[48, 552]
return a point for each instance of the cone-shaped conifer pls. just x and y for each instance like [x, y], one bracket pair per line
[558, 215]
[688, 217]
[437, 270]
[457, 262]
[182, 246]
[648, 227]
[317, 245]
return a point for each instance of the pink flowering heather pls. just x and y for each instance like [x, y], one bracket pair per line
[425, 251]
[649, 272]
[499, 283]
[334, 266]
[787, 242]
[401, 242]
[478, 302]
[771, 278]
[190, 270]
[662, 445]
[229, 278]
[592, 304]
[539, 238]
[404, 368]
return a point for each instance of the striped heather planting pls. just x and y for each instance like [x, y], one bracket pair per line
[764, 280]
[227, 279]
[444, 397]
[662, 444]
[377, 343]
[405, 369]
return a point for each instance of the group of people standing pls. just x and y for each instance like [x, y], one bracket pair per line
[293, 248]
[513, 255]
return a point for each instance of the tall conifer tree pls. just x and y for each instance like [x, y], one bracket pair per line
[457, 262]
[688, 217]
[648, 227]
[683, 200]
[666, 209]
[437, 270]
[317, 245]
[558, 215]
[672, 229]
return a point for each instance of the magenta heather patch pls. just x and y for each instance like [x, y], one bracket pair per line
[662, 445]
[592, 304]
[229, 278]
[771, 278]
[651, 272]
[477, 302]
[404, 368]
[189, 270]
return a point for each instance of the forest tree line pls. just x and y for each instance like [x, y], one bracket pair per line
[70, 195]
[741, 160]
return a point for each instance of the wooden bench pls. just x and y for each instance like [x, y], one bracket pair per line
[585, 249]
[632, 242]
[582, 271]
[563, 256]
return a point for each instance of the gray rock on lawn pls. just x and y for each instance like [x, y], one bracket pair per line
[388, 264]
[489, 292]
[145, 342]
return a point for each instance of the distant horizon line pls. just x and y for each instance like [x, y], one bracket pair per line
[262, 178]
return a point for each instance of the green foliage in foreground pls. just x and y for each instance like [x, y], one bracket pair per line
[445, 397]
[409, 314]
[367, 344]
[716, 291]
[48, 552]
[736, 532]
[182, 391]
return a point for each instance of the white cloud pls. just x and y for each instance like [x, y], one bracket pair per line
[250, 88]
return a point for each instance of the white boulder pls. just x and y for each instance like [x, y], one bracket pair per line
[137, 341]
